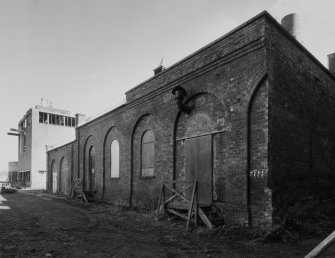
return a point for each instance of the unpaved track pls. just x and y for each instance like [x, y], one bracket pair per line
[38, 225]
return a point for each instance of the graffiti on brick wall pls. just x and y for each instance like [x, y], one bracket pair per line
[256, 173]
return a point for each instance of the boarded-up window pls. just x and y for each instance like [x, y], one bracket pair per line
[147, 154]
[115, 159]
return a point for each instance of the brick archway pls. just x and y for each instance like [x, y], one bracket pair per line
[199, 139]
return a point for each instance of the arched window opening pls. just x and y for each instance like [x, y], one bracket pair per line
[147, 154]
[61, 171]
[91, 167]
[115, 159]
[63, 176]
[54, 174]
[62, 165]
[53, 166]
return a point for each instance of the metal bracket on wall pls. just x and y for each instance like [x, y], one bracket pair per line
[199, 135]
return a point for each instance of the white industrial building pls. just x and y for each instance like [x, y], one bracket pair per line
[41, 128]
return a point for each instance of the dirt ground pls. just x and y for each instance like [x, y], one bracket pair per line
[35, 224]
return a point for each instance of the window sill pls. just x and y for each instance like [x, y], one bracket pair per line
[147, 177]
[114, 178]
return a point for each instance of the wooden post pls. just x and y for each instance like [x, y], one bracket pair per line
[322, 246]
[163, 192]
[159, 200]
[71, 189]
[205, 219]
[196, 206]
[84, 197]
[190, 210]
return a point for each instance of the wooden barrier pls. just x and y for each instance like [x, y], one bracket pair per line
[190, 204]
[180, 200]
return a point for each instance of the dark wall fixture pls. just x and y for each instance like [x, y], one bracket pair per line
[179, 93]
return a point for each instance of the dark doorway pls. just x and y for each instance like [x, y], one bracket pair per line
[91, 167]
[199, 165]
[64, 177]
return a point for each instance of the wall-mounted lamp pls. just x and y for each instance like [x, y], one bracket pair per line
[179, 93]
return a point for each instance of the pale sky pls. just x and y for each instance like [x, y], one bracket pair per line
[84, 54]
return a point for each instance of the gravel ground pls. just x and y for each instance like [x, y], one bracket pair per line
[35, 224]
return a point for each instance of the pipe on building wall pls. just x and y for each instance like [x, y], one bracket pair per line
[180, 93]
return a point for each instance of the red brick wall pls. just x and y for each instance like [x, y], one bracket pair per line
[302, 128]
[226, 48]
[90, 143]
[116, 189]
[260, 194]
[219, 81]
[278, 143]
[145, 190]
[56, 155]
[208, 116]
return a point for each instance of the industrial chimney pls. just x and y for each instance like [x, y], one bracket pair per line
[331, 63]
[290, 23]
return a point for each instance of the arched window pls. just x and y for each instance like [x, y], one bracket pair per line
[54, 176]
[115, 159]
[62, 165]
[61, 171]
[147, 154]
[91, 168]
[63, 176]
[53, 166]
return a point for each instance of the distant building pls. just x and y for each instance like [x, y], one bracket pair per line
[13, 174]
[40, 128]
[3, 179]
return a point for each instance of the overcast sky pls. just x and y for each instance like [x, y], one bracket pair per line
[84, 54]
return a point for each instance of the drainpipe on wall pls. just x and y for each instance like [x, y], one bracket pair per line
[180, 93]
[47, 166]
[79, 118]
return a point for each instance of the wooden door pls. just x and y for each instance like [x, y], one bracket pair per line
[64, 177]
[199, 165]
[92, 172]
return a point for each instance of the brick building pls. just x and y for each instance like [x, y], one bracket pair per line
[249, 116]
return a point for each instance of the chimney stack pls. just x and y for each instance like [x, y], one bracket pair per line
[331, 63]
[160, 68]
[290, 23]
